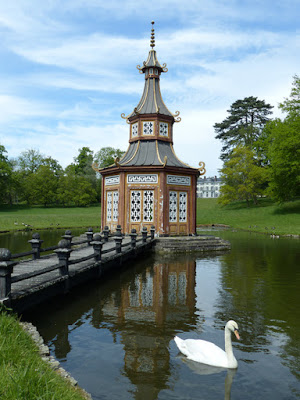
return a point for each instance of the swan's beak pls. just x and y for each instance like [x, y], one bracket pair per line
[236, 332]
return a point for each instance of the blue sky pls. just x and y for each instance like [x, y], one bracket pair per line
[68, 69]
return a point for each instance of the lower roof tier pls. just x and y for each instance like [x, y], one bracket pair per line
[151, 153]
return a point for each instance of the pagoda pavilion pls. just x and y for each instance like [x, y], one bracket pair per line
[150, 186]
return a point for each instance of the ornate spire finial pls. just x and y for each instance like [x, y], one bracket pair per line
[152, 41]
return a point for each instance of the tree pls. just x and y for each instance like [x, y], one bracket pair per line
[243, 179]
[42, 186]
[281, 146]
[106, 156]
[284, 155]
[75, 189]
[5, 174]
[244, 124]
[83, 162]
[292, 105]
[30, 160]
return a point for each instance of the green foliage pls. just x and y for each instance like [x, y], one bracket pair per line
[280, 149]
[83, 162]
[75, 189]
[29, 161]
[283, 152]
[243, 178]
[244, 124]
[292, 105]
[5, 174]
[106, 156]
[42, 186]
[23, 374]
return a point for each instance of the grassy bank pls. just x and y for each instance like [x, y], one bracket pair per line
[18, 216]
[267, 217]
[23, 374]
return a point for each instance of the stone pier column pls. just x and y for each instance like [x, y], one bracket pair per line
[97, 245]
[105, 233]
[63, 254]
[89, 235]
[6, 269]
[144, 234]
[68, 236]
[133, 236]
[36, 245]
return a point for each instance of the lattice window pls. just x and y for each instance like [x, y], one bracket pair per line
[148, 128]
[109, 206]
[134, 130]
[182, 206]
[163, 129]
[115, 206]
[135, 206]
[173, 206]
[148, 203]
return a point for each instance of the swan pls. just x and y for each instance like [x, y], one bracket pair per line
[208, 353]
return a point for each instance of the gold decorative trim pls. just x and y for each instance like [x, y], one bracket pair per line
[176, 117]
[158, 86]
[116, 160]
[165, 161]
[137, 147]
[140, 69]
[146, 94]
[95, 167]
[202, 169]
[125, 117]
[157, 152]
[164, 67]
[155, 102]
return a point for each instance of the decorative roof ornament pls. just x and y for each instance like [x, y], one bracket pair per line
[152, 40]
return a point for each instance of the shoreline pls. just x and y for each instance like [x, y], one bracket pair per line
[209, 226]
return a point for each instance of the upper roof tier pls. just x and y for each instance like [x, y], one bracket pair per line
[151, 101]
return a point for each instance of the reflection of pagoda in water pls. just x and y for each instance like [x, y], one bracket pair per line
[143, 309]
[160, 299]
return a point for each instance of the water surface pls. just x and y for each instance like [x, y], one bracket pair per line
[116, 337]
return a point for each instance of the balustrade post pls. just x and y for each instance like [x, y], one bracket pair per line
[97, 245]
[144, 234]
[89, 235]
[119, 230]
[63, 254]
[6, 269]
[105, 233]
[118, 240]
[68, 236]
[133, 236]
[152, 232]
[36, 245]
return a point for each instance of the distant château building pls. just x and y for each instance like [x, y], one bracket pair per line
[209, 187]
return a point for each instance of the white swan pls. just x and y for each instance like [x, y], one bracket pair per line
[207, 352]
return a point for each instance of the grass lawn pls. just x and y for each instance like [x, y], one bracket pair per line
[23, 374]
[13, 217]
[267, 217]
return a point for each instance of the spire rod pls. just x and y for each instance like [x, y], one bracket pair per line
[152, 41]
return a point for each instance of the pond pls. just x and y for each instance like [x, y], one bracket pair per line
[17, 242]
[116, 337]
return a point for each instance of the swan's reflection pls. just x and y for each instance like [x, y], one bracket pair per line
[203, 369]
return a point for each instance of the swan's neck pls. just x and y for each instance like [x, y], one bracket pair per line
[228, 345]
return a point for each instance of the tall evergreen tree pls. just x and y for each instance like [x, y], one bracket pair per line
[244, 124]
